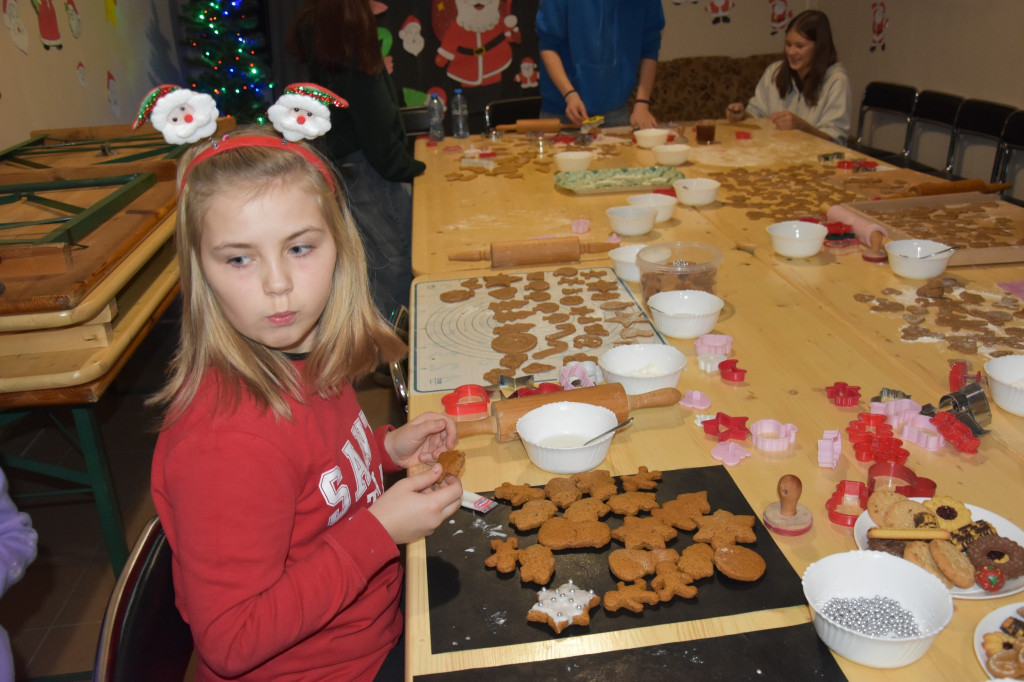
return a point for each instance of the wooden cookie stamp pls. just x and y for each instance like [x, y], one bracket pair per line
[788, 516]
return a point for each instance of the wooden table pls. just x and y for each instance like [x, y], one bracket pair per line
[797, 329]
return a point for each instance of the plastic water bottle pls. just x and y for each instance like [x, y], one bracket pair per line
[435, 114]
[460, 114]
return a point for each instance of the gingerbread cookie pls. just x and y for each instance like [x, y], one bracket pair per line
[1002, 552]
[954, 565]
[631, 504]
[597, 483]
[684, 510]
[562, 607]
[879, 503]
[725, 528]
[632, 564]
[644, 533]
[697, 561]
[558, 533]
[949, 513]
[587, 509]
[562, 491]
[670, 582]
[739, 563]
[631, 597]
[532, 514]
[642, 480]
[452, 462]
[517, 494]
[457, 295]
[517, 342]
[918, 553]
[505, 555]
[536, 564]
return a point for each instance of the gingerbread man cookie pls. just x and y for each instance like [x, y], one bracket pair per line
[517, 495]
[684, 510]
[505, 555]
[644, 533]
[632, 597]
[725, 528]
[642, 480]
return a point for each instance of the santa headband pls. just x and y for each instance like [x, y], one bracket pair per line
[302, 112]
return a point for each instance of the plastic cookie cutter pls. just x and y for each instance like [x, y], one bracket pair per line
[469, 401]
[900, 479]
[830, 448]
[729, 453]
[771, 435]
[959, 377]
[708, 362]
[919, 429]
[886, 395]
[580, 375]
[867, 427]
[842, 394]
[956, 433]
[546, 387]
[713, 343]
[881, 449]
[742, 135]
[730, 372]
[847, 502]
[696, 400]
[724, 427]
[897, 412]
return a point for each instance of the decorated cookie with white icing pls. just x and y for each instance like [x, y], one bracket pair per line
[563, 606]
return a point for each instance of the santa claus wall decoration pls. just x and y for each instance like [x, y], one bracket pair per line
[719, 10]
[49, 31]
[411, 34]
[527, 76]
[475, 43]
[780, 15]
[879, 21]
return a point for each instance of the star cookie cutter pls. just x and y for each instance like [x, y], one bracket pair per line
[713, 343]
[900, 479]
[696, 400]
[771, 435]
[842, 394]
[730, 372]
[708, 362]
[920, 430]
[956, 433]
[830, 448]
[729, 453]
[848, 496]
[467, 401]
[724, 427]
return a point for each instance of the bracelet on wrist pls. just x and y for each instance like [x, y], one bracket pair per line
[566, 95]
[643, 101]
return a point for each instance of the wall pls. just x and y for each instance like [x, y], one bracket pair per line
[69, 86]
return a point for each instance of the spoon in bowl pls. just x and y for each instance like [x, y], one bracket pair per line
[611, 430]
[934, 253]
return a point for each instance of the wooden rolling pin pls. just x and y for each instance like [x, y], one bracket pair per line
[928, 189]
[533, 125]
[533, 251]
[506, 413]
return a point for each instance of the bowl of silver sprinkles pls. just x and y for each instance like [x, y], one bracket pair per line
[876, 609]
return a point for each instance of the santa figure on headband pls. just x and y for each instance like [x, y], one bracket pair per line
[183, 116]
[303, 112]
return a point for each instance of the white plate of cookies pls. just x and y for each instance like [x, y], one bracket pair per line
[990, 637]
[1002, 527]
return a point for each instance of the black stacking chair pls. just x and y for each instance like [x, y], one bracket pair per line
[398, 320]
[934, 112]
[1010, 156]
[143, 637]
[975, 118]
[884, 103]
[502, 111]
[416, 122]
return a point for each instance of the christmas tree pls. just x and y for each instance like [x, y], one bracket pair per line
[225, 51]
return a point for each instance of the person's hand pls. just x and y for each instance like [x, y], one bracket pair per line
[641, 117]
[413, 507]
[421, 439]
[575, 109]
[787, 120]
[735, 112]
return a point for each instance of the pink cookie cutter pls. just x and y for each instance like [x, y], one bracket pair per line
[842, 394]
[696, 400]
[729, 453]
[467, 401]
[849, 496]
[900, 479]
[830, 448]
[771, 435]
[709, 362]
[919, 429]
[713, 343]
[897, 412]
[730, 372]
[724, 427]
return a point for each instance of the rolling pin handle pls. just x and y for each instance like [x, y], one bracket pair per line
[477, 254]
[596, 247]
[476, 427]
[660, 398]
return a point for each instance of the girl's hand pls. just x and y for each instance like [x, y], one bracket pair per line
[421, 439]
[735, 112]
[413, 508]
[787, 120]
[575, 109]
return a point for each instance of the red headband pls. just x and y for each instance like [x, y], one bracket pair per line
[260, 141]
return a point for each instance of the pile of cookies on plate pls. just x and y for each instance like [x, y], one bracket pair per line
[1005, 648]
[567, 513]
[940, 535]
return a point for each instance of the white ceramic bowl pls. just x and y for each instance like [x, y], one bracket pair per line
[650, 137]
[624, 262]
[671, 154]
[797, 238]
[630, 221]
[1006, 382]
[552, 435]
[696, 191]
[642, 367]
[573, 160]
[686, 313]
[910, 258]
[663, 203]
[868, 574]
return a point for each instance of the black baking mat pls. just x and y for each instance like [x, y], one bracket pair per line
[788, 653]
[474, 607]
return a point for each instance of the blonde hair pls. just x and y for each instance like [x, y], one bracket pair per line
[349, 340]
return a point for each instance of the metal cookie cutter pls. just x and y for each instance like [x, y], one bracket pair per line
[969, 405]
[886, 395]
[771, 435]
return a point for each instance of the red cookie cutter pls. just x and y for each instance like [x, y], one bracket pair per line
[900, 479]
[742, 135]
[724, 427]
[848, 494]
[730, 372]
[468, 400]
[546, 387]
[868, 427]
[563, 139]
[956, 433]
[885, 449]
[666, 192]
[958, 376]
[842, 394]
